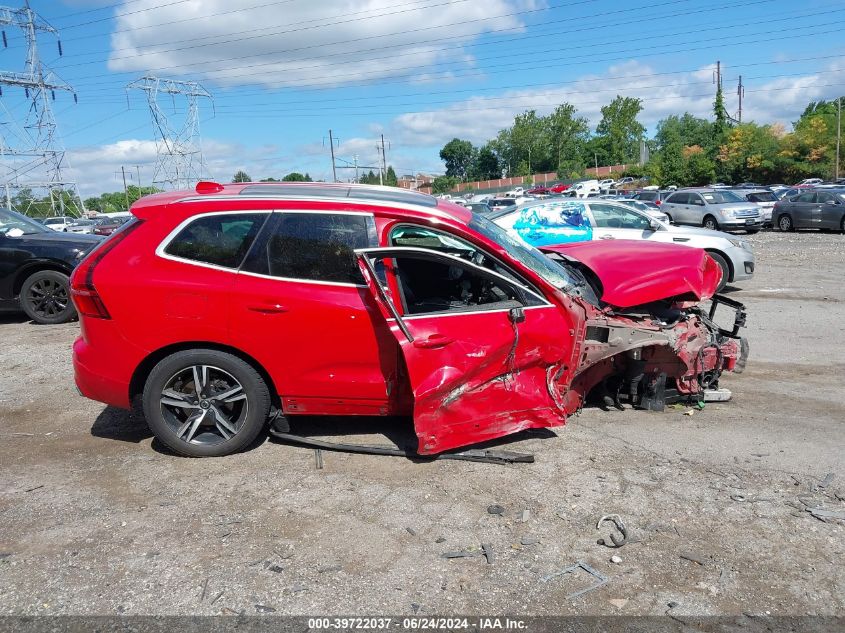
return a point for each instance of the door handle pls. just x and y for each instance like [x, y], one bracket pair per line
[268, 308]
[606, 237]
[433, 341]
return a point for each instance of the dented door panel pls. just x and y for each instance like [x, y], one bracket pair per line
[478, 374]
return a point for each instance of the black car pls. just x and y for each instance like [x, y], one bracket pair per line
[35, 266]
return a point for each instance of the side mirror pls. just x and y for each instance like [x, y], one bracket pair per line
[516, 315]
[832, 202]
[654, 225]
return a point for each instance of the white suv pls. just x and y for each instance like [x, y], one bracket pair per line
[59, 223]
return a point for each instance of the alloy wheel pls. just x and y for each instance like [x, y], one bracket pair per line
[203, 404]
[47, 298]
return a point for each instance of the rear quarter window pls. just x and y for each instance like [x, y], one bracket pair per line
[221, 240]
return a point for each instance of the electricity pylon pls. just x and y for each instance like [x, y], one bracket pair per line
[31, 154]
[179, 163]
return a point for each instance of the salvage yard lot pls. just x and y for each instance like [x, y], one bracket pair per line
[95, 518]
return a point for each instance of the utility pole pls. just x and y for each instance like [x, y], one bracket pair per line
[355, 158]
[740, 91]
[383, 160]
[331, 148]
[596, 156]
[718, 74]
[138, 171]
[31, 154]
[838, 131]
[125, 190]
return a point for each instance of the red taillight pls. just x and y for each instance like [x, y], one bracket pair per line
[82, 290]
[658, 202]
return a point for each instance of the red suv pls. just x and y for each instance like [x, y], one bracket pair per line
[217, 306]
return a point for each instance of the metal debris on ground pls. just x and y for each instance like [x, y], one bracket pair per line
[526, 514]
[440, 539]
[601, 579]
[318, 458]
[620, 525]
[261, 608]
[824, 483]
[529, 540]
[411, 531]
[694, 557]
[276, 569]
[217, 597]
[204, 589]
[487, 550]
[495, 509]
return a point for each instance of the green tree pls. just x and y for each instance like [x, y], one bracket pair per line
[618, 134]
[457, 155]
[568, 136]
[444, 184]
[390, 178]
[295, 176]
[241, 176]
[485, 165]
[271, 179]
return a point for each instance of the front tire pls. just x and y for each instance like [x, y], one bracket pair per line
[45, 298]
[726, 269]
[205, 403]
[711, 223]
[785, 223]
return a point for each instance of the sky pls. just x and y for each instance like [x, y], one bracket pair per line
[281, 74]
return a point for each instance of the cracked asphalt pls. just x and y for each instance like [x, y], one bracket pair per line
[96, 518]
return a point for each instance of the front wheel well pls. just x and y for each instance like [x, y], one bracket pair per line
[139, 376]
[727, 261]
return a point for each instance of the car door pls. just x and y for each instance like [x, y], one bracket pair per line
[611, 222]
[302, 310]
[829, 209]
[677, 206]
[482, 350]
[803, 209]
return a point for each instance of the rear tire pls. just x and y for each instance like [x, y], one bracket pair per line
[45, 297]
[726, 269]
[785, 223]
[205, 403]
[671, 221]
[710, 223]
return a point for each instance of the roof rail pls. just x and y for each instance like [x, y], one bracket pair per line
[337, 191]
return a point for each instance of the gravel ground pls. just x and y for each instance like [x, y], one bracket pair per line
[96, 518]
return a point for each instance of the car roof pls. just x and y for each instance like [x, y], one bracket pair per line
[305, 191]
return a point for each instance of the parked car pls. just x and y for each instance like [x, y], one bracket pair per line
[811, 209]
[810, 182]
[764, 199]
[539, 190]
[35, 263]
[651, 195]
[82, 225]
[479, 207]
[713, 209]
[583, 189]
[626, 180]
[58, 223]
[558, 188]
[110, 225]
[607, 183]
[559, 222]
[500, 203]
[218, 305]
[515, 192]
[787, 193]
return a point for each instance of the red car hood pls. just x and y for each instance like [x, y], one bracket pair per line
[633, 273]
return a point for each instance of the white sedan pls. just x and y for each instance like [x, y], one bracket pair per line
[546, 222]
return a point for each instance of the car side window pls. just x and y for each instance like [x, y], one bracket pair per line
[695, 199]
[313, 247]
[220, 239]
[823, 197]
[678, 198]
[432, 286]
[607, 216]
[810, 196]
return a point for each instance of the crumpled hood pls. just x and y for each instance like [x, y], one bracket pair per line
[633, 273]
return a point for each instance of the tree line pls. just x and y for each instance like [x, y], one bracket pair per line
[685, 151]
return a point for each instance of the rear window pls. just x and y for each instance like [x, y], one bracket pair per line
[678, 198]
[763, 196]
[314, 247]
[221, 240]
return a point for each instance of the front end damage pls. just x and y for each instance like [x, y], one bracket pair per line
[648, 338]
[655, 354]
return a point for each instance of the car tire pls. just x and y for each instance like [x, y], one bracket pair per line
[669, 215]
[710, 223]
[726, 269]
[205, 422]
[45, 298]
[785, 223]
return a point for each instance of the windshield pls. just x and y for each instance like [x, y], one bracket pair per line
[763, 196]
[549, 270]
[721, 197]
[13, 224]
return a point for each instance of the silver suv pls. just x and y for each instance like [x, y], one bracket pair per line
[715, 209]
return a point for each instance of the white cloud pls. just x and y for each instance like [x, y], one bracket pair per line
[479, 118]
[294, 44]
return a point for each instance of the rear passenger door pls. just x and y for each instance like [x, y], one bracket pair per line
[802, 209]
[829, 208]
[301, 308]
[677, 206]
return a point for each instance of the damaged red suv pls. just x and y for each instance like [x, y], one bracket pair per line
[218, 306]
